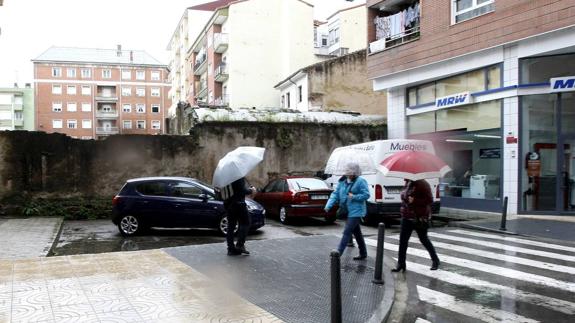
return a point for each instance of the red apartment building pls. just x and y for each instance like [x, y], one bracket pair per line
[94, 93]
[492, 84]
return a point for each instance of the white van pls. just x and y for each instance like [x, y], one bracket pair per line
[385, 201]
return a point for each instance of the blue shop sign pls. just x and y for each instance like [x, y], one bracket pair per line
[563, 84]
[453, 100]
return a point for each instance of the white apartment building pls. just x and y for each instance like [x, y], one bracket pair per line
[343, 32]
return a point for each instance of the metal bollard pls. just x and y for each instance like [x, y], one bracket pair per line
[335, 287]
[378, 274]
[504, 215]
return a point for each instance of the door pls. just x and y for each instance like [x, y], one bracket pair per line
[151, 204]
[566, 199]
[192, 207]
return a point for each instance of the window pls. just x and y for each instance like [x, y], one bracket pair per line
[86, 107]
[57, 106]
[71, 72]
[86, 124]
[72, 124]
[473, 81]
[107, 74]
[466, 9]
[155, 108]
[56, 89]
[56, 72]
[126, 91]
[126, 75]
[86, 90]
[141, 124]
[57, 124]
[152, 188]
[127, 108]
[283, 101]
[300, 93]
[155, 91]
[540, 69]
[18, 115]
[185, 190]
[72, 89]
[140, 108]
[141, 91]
[155, 124]
[71, 107]
[140, 75]
[287, 100]
[333, 36]
[127, 124]
[86, 73]
[107, 109]
[155, 75]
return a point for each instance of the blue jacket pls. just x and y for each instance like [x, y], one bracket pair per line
[356, 205]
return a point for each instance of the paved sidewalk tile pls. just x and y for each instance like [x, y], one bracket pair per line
[141, 286]
[27, 238]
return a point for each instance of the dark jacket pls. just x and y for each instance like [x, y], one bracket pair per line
[240, 191]
[422, 200]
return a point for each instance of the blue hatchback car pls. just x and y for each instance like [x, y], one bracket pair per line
[173, 202]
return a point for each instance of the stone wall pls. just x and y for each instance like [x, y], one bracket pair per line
[40, 164]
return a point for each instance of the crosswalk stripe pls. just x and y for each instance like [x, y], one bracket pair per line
[481, 285]
[479, 312]
[514, 239]
[496, 245]
[496, 270]
[420, 320]
[498, 256]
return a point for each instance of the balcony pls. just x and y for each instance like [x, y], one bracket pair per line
[220, 42]
[107, 130]
[106, 97]
[224, 100]
[107, 114]
[200, 65]
[221, 73]
[18, 107]
[202, 90]
[18, 123]
[389, 26]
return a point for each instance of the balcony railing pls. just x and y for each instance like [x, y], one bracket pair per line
[106, 114]
[107, 130]
[18, 122]
[202, 90]
[391, 31]
[107, 97]
[220, 42]
[224, 100]
[200, 65]
[18, 106]
[221, 73]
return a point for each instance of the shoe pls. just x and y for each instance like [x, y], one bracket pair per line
[435, 265]
[243, 250]
[234, 252]
[398, 269]
[360, 258]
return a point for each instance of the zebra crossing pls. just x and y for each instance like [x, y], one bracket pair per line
[488, 277]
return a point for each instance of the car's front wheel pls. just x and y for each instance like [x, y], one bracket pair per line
[223, 226]
[130, 225]
[283, 215]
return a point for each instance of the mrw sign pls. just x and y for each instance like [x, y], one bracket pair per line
[563, 84]
[453, 100]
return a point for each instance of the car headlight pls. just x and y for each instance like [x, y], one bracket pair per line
[252, 206]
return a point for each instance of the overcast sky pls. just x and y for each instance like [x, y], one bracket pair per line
[29, 27]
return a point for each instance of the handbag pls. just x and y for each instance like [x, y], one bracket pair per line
[421, 223]
[342, 211]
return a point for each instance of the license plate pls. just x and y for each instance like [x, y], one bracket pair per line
[319, 197]
[394, 190]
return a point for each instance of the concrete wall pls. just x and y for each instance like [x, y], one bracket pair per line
[342, 84]
[54, 164]
[352, 24]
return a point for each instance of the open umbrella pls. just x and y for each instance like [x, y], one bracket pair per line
[237, 164]
[413, 165]
[340, 157]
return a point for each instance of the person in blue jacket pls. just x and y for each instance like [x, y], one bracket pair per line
[351, 193]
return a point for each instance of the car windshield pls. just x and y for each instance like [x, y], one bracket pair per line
[307, 184]
[205, 186]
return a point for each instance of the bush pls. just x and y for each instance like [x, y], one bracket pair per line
[70, 208]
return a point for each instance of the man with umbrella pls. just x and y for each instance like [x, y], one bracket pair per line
[229, 180]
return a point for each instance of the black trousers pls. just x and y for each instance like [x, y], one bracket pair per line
[407, 227]
[237, 212]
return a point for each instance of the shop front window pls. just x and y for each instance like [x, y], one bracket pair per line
[469, 139]
[541, 69]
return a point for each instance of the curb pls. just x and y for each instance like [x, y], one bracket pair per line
[56, 238]
[384, 309]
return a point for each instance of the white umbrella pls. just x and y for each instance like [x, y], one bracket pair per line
[341, 157]
[237, 164]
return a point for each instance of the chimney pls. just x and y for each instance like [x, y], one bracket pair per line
[119, 50]
[131, 56]
[27, 85]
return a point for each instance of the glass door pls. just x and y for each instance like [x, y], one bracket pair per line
[566, 200]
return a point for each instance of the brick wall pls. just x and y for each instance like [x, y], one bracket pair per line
[512, 20]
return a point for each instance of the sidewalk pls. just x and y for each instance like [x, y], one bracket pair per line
[541, 226]
[28, 237]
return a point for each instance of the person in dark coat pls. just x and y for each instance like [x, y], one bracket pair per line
[237, 212]
[416, 200]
